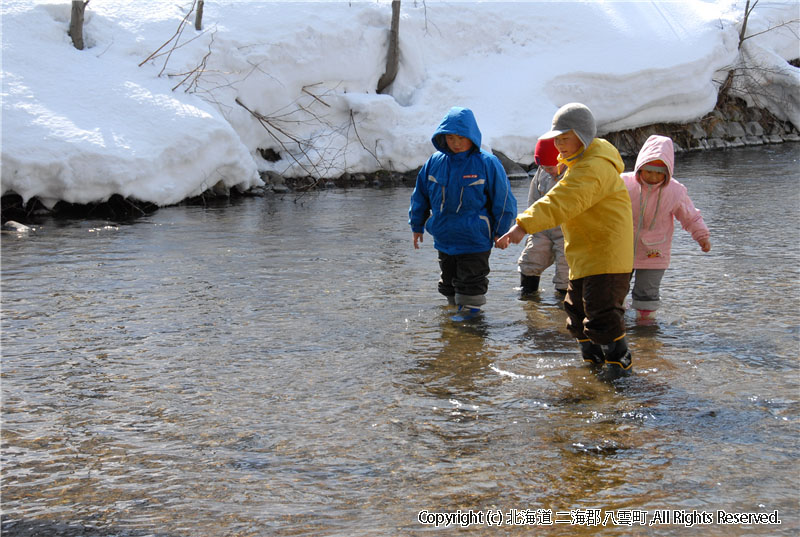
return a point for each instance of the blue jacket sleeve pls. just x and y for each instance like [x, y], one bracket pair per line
[420, 208]
[504, 204]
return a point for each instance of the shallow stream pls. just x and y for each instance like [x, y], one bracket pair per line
[284, 366]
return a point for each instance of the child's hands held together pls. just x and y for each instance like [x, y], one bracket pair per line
[514, 235]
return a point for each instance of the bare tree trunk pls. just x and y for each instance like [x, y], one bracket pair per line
[393, 57]
[726, 86]
[76, 23]
[198, 19]
[747, 11]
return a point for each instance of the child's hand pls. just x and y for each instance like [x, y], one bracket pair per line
[417, 239]
[515, 235]
[705, 244]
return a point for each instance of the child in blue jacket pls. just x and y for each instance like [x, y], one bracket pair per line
[463, 199]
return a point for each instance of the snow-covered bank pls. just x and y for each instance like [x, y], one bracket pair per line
[297, 80]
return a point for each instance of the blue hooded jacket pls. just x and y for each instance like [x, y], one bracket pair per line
[463, 200]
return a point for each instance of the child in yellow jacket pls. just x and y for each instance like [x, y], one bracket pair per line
[593, 208]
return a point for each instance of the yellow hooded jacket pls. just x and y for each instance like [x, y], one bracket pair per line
[593, 208]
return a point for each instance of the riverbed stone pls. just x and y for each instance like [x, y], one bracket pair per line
[697, 131]
[513, 170]
[274, 181]
[718, 114]
[716, 143]
[753, 140]
[271, 178]
[776, 130]
[736, 142]
[753, 128]
[718, 131]
[12, 226]
[735, 114]
[735, 129]
[220, 189]
[624, 142]
[753, 114]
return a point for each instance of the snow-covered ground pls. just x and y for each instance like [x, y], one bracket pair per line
[299, 78]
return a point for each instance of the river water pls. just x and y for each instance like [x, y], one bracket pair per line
[284, 366]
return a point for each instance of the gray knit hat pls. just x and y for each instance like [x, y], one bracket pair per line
[573, 117]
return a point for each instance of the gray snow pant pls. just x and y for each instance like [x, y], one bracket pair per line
[541, 250]
[646, 289]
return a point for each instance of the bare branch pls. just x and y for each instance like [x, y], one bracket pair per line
[353, 121]
[787, 23]
[304, 90]
[197, 71]
[271, 128]
[311, 142]
[175, 37]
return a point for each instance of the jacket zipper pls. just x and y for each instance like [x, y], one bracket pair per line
[642, 206]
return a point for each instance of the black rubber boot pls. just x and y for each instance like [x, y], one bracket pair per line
[592, 353]
[619, 362]
[530, 285]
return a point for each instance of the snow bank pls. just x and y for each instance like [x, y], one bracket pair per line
[299, 78]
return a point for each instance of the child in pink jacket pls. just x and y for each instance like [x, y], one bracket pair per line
[657, 199]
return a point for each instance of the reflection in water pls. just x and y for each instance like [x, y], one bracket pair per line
[454, 368]
[281, 368]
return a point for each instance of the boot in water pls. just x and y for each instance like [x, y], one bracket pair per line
[592, 354]
[619, 362]
[466, 313]
[645, 317]
[529, 284]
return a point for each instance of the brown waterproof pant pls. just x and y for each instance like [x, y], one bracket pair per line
[595, 307]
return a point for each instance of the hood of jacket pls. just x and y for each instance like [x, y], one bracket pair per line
[657, 148]
[460, 121]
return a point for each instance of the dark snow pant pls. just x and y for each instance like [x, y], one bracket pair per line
[595, 307]
[464, 278]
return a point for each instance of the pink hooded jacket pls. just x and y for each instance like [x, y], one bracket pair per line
[656, 206]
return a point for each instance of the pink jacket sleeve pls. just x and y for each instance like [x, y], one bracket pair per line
[690, 218]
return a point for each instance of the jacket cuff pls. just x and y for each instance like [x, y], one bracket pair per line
[521, 222]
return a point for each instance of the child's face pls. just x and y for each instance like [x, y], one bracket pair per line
[568, 144]
[552, 170]
[457, 144]
[652, 178]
